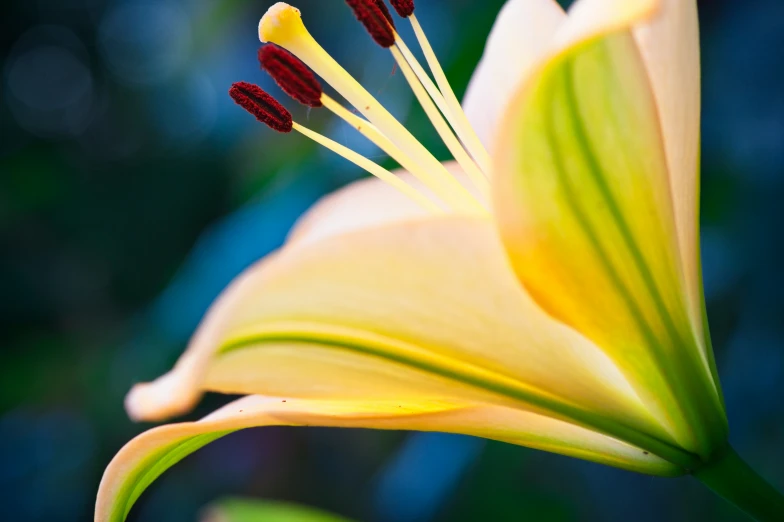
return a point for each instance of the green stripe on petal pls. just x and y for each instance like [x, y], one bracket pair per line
[464, 380]
[424, 307]
[143, 459]
[585, 211]
[151, 467]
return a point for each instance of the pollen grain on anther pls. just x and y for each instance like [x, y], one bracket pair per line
[404, 8]
[263, 106]
[291, 75]
[374, 15]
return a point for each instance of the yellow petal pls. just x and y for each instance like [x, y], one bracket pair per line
[520, 35]
[144, 458]
[427, 307]
[367, 203]
[670, 47]
[583, 203]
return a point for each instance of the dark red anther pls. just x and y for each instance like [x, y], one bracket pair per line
[373, 17]
[291, 75]
[263, 106]
[382, 6]
[404, 8]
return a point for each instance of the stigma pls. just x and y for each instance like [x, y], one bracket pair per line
[295, 59]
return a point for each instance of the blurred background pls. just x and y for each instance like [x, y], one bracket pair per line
[132, 190]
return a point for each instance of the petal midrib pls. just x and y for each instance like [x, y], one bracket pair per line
[521, 394]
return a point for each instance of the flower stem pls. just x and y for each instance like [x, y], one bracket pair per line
[731, 478]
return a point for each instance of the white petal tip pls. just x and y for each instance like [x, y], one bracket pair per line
[161, 399]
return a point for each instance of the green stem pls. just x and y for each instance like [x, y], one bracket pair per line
[732, 479]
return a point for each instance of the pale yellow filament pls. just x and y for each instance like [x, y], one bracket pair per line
[430, 87]
[372, 133]
[452, 111]
[371, 167]
[448, 137]
[463, 127]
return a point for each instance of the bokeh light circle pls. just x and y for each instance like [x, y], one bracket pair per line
[144, 44]
[49, 87]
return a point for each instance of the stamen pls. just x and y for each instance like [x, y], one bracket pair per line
[298, 81]
[282, 25]
[446, 134]
[430, 87]
[374, 15]
[404, 8]
[291, 75]
[371, 167]
[450, 110]
[268, 111]
[371, 132]
[263, 106]
[458, 118]
[383, 8]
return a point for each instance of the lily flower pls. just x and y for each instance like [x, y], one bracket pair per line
[546, 293]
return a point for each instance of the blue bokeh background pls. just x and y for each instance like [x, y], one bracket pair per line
[132, 190]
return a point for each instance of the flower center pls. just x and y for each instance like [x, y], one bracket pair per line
[282, 25]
